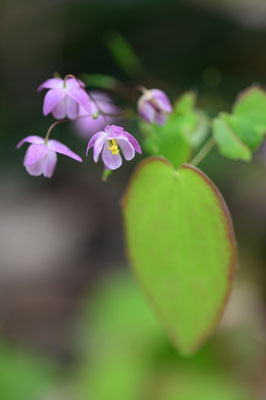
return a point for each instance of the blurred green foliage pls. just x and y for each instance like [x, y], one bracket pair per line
[24, 375]
[239, 134]
[126, 355]
[124, 54]
[183, 133]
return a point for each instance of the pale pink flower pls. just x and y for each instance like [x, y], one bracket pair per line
[41, 158]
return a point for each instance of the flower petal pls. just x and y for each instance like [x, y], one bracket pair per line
[62, 149]
[30, 139]
[97, 148]
[127, 148]
[49, 164]
[113, 130]
[87, 126]
[161, 99]
[117, 132]
[54, 83]
[51, 99]
[111, 161]
[80, 96]
[132, 141]
[72, 108]
[160, 118]
[95, 137]
[70, 82]
[34, 153]
[59, 111]
[146, 111]
[36, 169]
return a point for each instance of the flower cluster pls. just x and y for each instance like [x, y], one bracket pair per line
[93, 113]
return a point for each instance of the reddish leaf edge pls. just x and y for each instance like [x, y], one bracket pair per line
[233, 261]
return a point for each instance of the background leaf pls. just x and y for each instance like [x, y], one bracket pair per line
[181, 245]
[126, 355]
[24, 376]
[251, 104]
[123, 334]
[185, 130]
[190, 383]
[100, 81]
[239, 134]
[228, 142]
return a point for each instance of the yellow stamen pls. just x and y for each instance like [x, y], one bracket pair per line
[113, 147]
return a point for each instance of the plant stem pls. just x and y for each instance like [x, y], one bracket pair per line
[106, 174]
[203, 152]
[52, 126]
[99, 109]
[83, 116]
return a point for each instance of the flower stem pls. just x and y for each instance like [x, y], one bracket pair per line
[99, 108]
[70, 76]
[142, 89]
[52, 126]
[203, 152]
[105, 175]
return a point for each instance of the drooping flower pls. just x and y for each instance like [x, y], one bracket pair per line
[86, 125]
[64, 97]
[108, 143]
[154, 105]
[41, 158]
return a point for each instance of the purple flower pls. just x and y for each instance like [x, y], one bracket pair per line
[64, 97]
[107, 144]
[87, 125]
[154, 105]
[40, 157]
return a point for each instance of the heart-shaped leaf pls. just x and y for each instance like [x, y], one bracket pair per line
[181, 245]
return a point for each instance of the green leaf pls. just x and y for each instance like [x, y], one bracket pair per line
[122, 335]
[124, 54]
[100, 81]
[191, 384]
[24, 376]
[251, 104]
[184, 131]
[167, 141]
[181, 245]
[239, 134]
[244, 130]
[193, 122]
[230, 145]
[186, 103]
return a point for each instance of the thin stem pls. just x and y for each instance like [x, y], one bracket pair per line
[80, 117]
[71, 76]
[106, 174]
[92, 97]
[203, 152]
[99, 108]
[142, 89]
[52, 126]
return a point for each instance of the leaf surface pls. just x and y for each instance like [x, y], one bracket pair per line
[181, 245]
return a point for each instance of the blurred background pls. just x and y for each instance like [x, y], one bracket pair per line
[73, 323]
